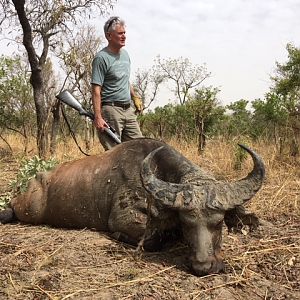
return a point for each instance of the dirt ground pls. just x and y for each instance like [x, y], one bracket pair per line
[39, 262]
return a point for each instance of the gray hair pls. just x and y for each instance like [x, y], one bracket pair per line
[111, 23]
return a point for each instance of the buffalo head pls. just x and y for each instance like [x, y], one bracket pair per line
[201, 202]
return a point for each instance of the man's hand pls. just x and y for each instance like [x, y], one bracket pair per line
[100, 123]
[138, 103]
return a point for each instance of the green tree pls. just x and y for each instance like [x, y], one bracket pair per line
[269, 116]
[239, 121]
[43, 23]
[277, 117]
[272, 121]
[182, 125]
[16, 106]
[203, 106]
[76, 54]
[156, 123]
[287, 78]
[287, 84]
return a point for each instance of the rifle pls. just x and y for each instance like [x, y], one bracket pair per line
[67, 98]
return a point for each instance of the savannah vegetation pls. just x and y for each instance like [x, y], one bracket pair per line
[30, 80]
[37, 132]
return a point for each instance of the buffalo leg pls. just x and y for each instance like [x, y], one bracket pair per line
[130, 226]
[127, 225]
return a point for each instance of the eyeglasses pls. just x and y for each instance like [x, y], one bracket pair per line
[113, 20]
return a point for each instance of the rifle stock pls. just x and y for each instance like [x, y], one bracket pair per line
[67, 98]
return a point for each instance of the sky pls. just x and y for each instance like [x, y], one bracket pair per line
[240, 41]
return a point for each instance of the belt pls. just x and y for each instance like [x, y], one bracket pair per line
[124, 105]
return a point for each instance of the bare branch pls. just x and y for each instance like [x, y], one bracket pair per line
[183, 74]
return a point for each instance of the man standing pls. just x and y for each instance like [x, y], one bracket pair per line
[111, 89]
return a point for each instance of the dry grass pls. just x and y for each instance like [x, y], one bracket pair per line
[280, 194]
[38, 262]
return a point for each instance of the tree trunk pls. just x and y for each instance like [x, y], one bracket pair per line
[87, 135]
[201, 136]
[295, 124]
[36, 79]
[42, 126]
[6, 142]
[55, 127]
[160, 130]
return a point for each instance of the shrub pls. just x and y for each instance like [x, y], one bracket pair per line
[28, 170]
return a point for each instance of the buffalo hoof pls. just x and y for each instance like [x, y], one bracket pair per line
[7, 215]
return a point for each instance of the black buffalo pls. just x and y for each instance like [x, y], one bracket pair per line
[141, 189]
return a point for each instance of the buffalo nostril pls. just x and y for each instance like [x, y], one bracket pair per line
[201, 268]
[208, 267]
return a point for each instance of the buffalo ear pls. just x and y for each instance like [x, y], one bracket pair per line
[236, 218]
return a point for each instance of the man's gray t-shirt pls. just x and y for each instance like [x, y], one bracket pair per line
[112, 71]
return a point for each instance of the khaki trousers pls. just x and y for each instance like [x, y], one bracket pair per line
[124, 121]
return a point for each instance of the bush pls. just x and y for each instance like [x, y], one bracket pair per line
[28, 170]
[4, 200]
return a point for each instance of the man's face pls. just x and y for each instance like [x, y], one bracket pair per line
[117, 37]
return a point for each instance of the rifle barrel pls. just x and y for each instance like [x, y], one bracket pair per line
[67, 98]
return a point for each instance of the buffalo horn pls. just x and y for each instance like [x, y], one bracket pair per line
[230, 195]
[169, 194]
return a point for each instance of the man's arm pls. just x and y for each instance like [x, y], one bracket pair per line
[96, 100]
